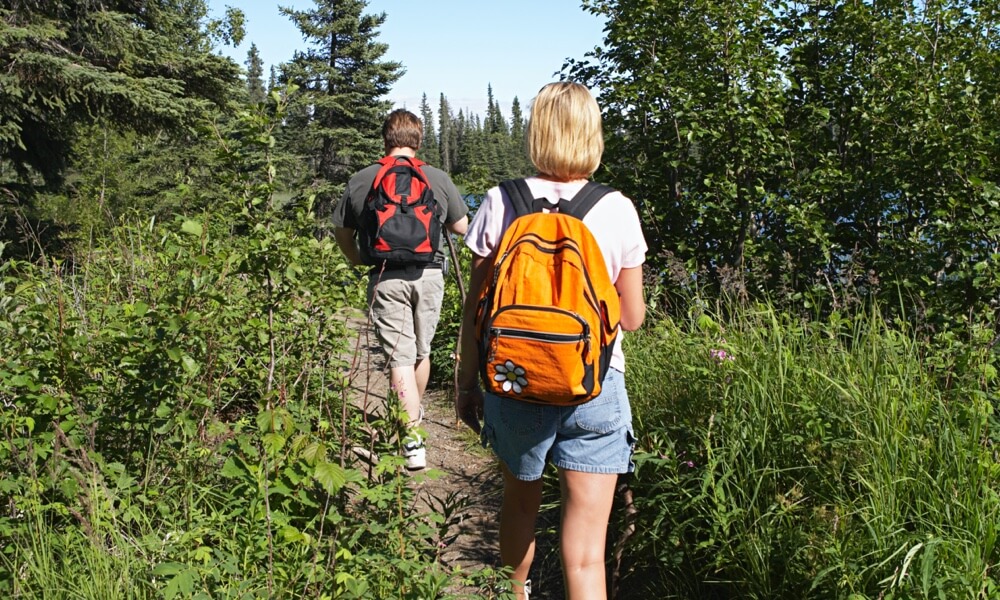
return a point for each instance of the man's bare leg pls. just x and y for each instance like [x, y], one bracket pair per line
[422, 373]
[404, 381]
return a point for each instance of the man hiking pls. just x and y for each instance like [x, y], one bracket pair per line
[390, 219]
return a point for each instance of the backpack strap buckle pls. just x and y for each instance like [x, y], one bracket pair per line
[540, 204]
[524, 203]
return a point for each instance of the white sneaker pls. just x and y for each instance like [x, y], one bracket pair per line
[505, 589]
[415, 454]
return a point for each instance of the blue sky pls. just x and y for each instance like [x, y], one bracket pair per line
[451, 47]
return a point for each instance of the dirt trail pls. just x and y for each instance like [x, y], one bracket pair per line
[468, 487]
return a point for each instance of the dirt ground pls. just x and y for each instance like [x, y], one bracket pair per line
[462, 476]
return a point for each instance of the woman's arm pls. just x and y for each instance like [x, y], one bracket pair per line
[629, 286]
[469, 396]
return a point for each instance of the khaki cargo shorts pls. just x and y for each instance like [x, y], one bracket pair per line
[405, 312]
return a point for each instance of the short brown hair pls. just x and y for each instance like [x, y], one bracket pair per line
[565, 139]
[402, 129]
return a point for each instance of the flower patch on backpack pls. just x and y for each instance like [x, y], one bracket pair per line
[510, 377]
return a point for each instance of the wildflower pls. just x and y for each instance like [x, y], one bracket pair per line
[720, 355]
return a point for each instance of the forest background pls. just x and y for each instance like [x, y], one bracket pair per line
[814, 391]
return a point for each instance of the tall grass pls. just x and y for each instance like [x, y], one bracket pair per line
[789, 459]
[52, 563]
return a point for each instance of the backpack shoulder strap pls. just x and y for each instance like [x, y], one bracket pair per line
[585, 199]
[390, 162]
[387, 163]
[520, 196]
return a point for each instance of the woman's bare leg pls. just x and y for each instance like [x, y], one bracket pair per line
[586, 508]
[518, 514]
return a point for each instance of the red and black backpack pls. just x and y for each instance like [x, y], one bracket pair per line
[400, 221]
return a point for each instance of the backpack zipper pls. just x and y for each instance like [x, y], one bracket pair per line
[552, 338]
[527, 334]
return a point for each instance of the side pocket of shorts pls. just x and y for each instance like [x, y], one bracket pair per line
[631, 439]
[488, 436]
[604, 413]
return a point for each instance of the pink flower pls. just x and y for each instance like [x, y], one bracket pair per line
[721, 355]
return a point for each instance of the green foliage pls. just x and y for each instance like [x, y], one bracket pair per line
[430, 150]
[480, 152]
[789, 150]
[177, 421]
[255, 76]
[146, 67]
[783, 459]
[336, 113]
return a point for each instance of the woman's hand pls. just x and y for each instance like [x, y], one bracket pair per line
[469, 396]
[469, 407]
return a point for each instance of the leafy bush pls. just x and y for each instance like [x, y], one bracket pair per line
[177, 420]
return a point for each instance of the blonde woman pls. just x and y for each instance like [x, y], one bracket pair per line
[590, 444]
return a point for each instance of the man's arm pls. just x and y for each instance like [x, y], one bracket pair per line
[348, 245]
[455, 206]
[459, 227]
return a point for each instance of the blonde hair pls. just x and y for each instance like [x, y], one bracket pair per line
[565, 140]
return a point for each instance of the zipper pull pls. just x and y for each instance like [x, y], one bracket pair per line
[494, 339]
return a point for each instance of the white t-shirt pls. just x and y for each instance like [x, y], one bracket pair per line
[613, 221]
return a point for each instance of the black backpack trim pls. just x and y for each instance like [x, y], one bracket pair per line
[524, 202]
[402, 226]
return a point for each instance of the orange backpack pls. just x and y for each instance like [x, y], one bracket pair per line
[548, 316]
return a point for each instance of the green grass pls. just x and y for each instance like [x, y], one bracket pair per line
[823, 461]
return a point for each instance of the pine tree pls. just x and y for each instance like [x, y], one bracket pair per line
[520, 163]
[431, 149]
[255, 76]
[472, 146]
[145, 66]
[272, 80]
[495, 151]
[341, 80]
[494, 117]
[447, 146]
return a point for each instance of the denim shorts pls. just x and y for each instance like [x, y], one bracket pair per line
[594, 437]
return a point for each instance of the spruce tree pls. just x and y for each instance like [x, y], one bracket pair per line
[494, 117]
[448, 143]
[472, 145]
[520, 163]
[272, 80]
[497, 144]
[255, 76]
[146, 66]
[341, 81]
[430, 152]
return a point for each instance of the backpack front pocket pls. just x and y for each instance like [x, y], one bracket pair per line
[538, 354]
